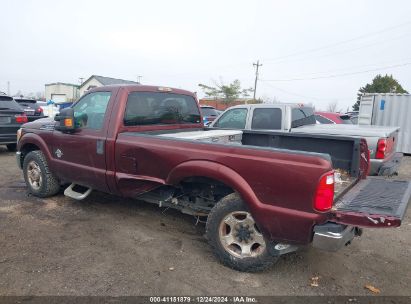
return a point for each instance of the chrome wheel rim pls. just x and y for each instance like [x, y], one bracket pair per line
[34, 175]
[240, 236]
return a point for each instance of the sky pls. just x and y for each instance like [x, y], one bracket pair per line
[317, 52]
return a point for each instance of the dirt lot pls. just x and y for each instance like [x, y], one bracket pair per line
[111, 246]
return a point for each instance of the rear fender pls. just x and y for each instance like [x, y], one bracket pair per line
[274, 221]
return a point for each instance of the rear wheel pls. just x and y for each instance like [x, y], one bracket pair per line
[11, 147]
[235, 238]
[39, 179]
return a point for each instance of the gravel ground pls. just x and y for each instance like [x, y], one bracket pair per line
[107, 245]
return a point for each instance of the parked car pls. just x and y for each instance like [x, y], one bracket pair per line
[31, 108]
[332, 118]
[209, 114]
[263, 193]
[11, 118]
[295, 118]
[49, 110]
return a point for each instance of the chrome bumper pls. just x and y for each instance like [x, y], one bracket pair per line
[392, 166]
[18, 160]
[332, 237]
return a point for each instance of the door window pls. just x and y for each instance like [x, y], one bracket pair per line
[268, 119]
[232, 119]
[89, 111]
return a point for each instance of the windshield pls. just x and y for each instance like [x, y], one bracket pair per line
[25, 100]
[7, 103]
[209, 111]
[149, 108]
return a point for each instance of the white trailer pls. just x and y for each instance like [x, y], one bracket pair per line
[388, 109]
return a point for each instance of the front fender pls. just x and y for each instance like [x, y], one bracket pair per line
[35, 139]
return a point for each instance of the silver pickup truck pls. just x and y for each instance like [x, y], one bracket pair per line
[295, 118]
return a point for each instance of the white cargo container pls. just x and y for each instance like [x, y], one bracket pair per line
[215, 136]
[388, 110]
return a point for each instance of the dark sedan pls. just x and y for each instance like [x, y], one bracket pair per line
[31, 108]
[11, 118]
[209, 114]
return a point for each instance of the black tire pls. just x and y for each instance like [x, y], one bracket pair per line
[227, 205]
[49, 184]
[11, 147]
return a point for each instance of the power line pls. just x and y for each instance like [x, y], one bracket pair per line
[292, 93]
[257, 65]
[321, 56]
[341, 75]
[331, 45]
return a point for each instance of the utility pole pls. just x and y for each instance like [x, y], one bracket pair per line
[81, 80]
[257, 65]
[8, 88]
[139, 79]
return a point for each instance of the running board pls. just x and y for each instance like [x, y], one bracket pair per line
[76, 195]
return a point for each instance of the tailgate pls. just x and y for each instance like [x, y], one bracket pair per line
[373, 202]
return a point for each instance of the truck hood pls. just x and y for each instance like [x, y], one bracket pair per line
[43, 123]
[347, 130]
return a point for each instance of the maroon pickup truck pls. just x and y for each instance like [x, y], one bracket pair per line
[264, 193]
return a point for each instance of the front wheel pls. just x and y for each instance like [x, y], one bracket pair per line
[39, 179]
[235, 238]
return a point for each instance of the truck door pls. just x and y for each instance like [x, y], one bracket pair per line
[80, 156]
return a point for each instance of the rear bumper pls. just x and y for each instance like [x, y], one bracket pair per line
[8, 138]
[386, 167]
[332, 237]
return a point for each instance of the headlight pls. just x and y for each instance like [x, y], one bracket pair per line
[18, 134]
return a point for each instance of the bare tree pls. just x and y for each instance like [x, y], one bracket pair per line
[332, 106]
[269, 99]
[310, 104]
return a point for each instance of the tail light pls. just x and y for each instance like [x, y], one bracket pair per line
[39, 110]
[21, 118]
[381, 148]
[324, 196]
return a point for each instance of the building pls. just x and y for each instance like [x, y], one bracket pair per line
[98, 81]
[61, 92]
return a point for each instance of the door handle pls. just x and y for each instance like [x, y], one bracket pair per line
[100, 146]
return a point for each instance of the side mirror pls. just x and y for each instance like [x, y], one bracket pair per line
[66, 120]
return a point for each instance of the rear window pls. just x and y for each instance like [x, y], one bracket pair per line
[269, 119]
[346, 119]
[302, 116]
[323, 120]
[19, 100]
[153, 108]
[209, 112]
[8, 103]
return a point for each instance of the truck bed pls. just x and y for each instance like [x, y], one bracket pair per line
[342, 151]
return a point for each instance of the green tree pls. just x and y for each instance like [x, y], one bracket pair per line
[380, 84]
[226, 92]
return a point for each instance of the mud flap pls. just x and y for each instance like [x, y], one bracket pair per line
[373, 202]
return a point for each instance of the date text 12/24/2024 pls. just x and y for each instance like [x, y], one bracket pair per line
[204, 299]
